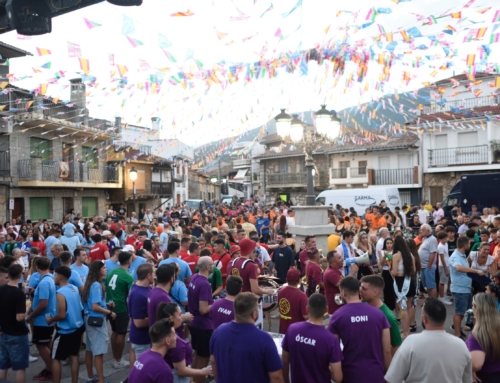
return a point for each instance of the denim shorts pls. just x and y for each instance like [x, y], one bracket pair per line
[180, 379]
[429, 278]
[97, 338]
[14, 352]
[443, 278]
[463, 301]
[139, 348]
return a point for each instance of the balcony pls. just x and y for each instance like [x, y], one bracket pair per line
[4, 164]
[242, 163]
[348, 176]
[121, 146]
[457, 105]
[161, 189]
[289, 180]
[395, 176]
[467, 155]
[35, 172]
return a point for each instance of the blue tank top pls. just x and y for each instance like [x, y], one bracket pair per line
[74, 319]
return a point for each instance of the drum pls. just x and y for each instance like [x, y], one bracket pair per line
[269, 302]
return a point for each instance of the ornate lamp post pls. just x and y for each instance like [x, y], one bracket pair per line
[327, 129]
[133, 178]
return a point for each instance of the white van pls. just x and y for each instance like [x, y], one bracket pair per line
[360, 199]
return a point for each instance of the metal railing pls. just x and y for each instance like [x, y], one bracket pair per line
[4, 164]
[161, 188]
[393, 177]
[104, 174]
[287, 178]
[111, 174]
[242, 162]
[50, 170]
[63, 112]
[358, 172]
[466, 103]
[75, 172]
[24, 169]
[468, 155]
[122, 145]
[338, 173]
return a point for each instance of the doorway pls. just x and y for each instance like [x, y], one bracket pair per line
[436, 193]
[178, 200]
[67, 206]
[18, 209]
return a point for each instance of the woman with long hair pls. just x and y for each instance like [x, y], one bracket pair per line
[340, 226]
[180, 357]
[365, 225]
[283, 226]
[403, 270]
[38, 243]
[94, 306]
[384, 261]
[484, 342]
[363, 244]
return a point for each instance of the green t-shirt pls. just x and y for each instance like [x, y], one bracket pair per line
[218, 278]
[395, 334]
[118, 284]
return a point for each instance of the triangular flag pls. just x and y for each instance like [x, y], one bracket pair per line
[91, 24]
[84, 65]
[43, 52]
[135, 43]
[220, 35]
[182, 14]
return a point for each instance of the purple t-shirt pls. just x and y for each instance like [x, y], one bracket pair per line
[150, 368]
[312, 348]
[155, 297]
[199, 290]
[137, 305]
[242, 350]
[222, 311]
[491, 367]
[359, 327]
[182, 351]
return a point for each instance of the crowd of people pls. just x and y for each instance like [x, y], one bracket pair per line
[182, 286]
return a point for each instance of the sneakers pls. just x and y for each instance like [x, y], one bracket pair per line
[462, 334]
[121, 364]
[93, 380]
[33, 359]
[40, 374]
[47, 377]
[445, 301]
[65, 362]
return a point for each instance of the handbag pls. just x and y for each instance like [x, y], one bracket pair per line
[95, 321]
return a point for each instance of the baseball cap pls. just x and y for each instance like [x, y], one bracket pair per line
[129, 248]
[105, 233]
[293, 276]
[234, 249]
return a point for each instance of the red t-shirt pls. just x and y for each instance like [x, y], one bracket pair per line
[331, 278]
[192, 261]
[221, 262]
[97, 252]
[131, 240]
[493, 244]
[183, 253]
[247, 273]
[304, 260]
[292, 306]
[314, 276]
[40, 246]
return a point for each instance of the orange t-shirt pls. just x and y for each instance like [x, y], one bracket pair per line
[358, 221]
[251, 218]
[379, 223]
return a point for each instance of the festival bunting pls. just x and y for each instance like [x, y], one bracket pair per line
[84, 65]
[43, 52]
[182, 14]
[91, 24]
[134, 42]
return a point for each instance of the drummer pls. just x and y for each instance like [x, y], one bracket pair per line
[245, 268]
[292, 302]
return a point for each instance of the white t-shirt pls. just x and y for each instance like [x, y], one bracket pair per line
[473, 256]
[264, 254]
[290, 221]
[422, 215]
[443, 249]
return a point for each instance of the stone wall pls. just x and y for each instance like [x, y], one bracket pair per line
[4, 204]
[446, 181]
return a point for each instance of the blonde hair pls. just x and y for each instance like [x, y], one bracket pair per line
[487, 324]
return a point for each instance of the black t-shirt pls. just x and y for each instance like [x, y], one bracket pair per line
[196, 231]
[283, 258]
[175, 214]
[13, 302]
[452, 245]
[122, 211]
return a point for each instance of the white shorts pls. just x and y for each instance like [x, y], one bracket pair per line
[443, 278]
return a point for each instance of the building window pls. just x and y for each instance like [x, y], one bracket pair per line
[39, 208]
[362, 165]
[90, 157]
[89, 206]
[283, 166]
[40, 148]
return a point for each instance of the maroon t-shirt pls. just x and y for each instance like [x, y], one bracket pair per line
[314, 277]
[97, 252]
[247, 273]
[292, 305]
[331, 278]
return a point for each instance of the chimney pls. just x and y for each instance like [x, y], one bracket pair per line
[77, 95]
[155, 123]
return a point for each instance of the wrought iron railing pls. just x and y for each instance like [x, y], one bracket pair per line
[466, 103]
[24, 169]
[122, 145]
[338, 173]
[393, 176]
[358, 172]
[468, 155]
[4, 164]
[50, 170]
[287, 179]
[161, 188]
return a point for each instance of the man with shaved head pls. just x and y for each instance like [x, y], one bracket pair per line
[199, 302]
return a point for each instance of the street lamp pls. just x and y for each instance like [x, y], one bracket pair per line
[213, 179]
[327, 129]
[133, 178]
